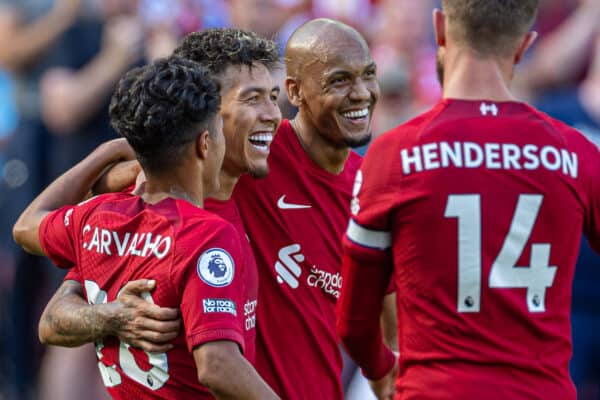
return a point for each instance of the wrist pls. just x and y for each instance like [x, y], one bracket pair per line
[108, 320]
[382, 366]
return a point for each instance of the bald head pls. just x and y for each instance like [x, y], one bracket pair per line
[319, 40]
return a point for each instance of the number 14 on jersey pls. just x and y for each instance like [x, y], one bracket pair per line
[504, 274]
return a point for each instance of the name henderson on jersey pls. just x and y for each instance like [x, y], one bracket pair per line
[491, 155]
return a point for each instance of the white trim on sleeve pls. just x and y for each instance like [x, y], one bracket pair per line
[380, 240]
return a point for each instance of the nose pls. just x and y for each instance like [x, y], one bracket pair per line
[360, 91]
[271, 112]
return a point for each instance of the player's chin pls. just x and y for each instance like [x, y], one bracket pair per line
[259, 169]
[357, 139]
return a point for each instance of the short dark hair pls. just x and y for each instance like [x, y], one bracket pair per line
[218, 48]
[162, 107]
[490, 26]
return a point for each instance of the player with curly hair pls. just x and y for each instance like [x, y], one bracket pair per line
[168, 113]
[295, 215]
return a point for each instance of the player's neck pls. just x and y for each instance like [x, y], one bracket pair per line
[326, 155]
[469, 77]
[228, 182]
[175, 185]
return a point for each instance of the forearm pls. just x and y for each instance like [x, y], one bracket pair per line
[389, 322]
[70, 98]
[70, 188]
[26, 43]
[559, 58]
[228, 375]
[68, 320]
[358, 316]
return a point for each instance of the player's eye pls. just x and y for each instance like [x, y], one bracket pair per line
[339, 80]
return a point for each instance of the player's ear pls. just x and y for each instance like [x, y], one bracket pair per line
[525, 44]
[439, 26]
[294, 93]
[202, 145]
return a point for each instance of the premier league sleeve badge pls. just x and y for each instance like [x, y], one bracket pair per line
[216, 267]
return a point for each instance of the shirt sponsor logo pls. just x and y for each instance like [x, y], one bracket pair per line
[330, 283]
[140, 244]
[289, 271]
[216, 267]
[250, 314]
[287, 267]
[219, 306]
[282, 204]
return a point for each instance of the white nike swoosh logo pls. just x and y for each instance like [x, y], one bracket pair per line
[289, 206]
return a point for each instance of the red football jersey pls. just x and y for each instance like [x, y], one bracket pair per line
[229, 212]
[483, 205]
[196, 260]
[295, 219]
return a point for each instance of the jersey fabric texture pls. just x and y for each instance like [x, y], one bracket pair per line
[196, 260]
[479, 206]
[229, 211]
[295, 218]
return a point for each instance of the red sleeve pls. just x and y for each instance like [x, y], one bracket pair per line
[73, 275]
[366, 269]
[57, 237]
[358, 316]
[213, 291]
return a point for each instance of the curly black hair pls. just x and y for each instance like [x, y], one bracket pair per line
[162, 107]
[218, 48]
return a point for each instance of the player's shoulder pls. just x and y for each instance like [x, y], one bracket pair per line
[407, 132]
[102, 202]
[205, 226]
[558, 126]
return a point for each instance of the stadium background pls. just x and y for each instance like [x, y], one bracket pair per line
[39, 139]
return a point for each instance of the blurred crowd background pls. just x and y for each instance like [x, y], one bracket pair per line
[60, 59]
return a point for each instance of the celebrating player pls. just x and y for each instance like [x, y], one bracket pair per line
[294, 216]
[169, 114]
[474, 209]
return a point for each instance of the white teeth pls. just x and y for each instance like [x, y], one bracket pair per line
[262, 137]
[357, 114]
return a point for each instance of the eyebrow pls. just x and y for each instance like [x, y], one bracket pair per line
[347, 72]
[258, 89]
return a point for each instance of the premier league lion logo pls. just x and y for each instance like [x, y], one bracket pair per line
[216, 267]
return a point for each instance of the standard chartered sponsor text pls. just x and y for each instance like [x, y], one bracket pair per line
[329, 282]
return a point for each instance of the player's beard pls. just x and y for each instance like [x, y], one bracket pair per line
[439, 66]
[358, 142]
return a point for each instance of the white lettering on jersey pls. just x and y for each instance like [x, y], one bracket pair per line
[105, 241]
[330, 283]
[289, 270]
[250, 314]
[505, 156]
